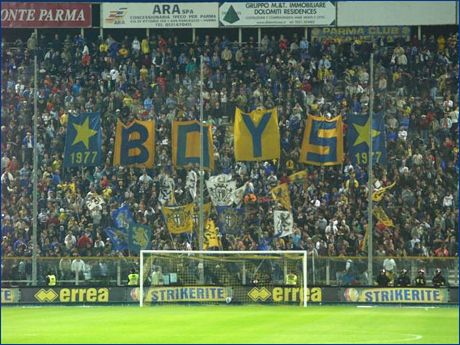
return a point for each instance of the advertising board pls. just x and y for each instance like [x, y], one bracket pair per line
[160, 15]
[10, 295]
[364, 33]
[46, 15]
[396, 295]
[292, 13]
[83, 295]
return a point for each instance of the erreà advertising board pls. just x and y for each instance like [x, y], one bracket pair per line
[293, 13]
[160, 15]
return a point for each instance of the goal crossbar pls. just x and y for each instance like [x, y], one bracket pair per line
[228, 252]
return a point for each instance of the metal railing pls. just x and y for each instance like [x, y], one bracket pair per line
[113, 271]
[346, 271]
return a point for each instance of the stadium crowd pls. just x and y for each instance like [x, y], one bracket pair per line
[416, 85]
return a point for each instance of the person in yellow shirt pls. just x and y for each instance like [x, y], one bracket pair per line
[145, 46]
[127, 101]
[57, 163]
[64, 119]
[291, 279]
[441, 43]
[133, 278]
[143, 72]
[123, 52]
[51, 279]
[103, 47]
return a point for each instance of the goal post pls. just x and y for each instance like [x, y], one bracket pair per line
[237, 277]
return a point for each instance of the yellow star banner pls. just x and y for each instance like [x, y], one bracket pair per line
[358, 138]
[83, 141]
[322, 142]
[135, 144]
[378, 194]
[281, 194]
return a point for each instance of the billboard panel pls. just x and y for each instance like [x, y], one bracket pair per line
[10, 295]
[77, 295]
[46, 15]
[364, 33]
[350, 13]
[395, 295]
[292, 13]
[160, 15]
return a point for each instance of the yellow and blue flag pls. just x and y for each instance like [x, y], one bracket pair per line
[382, 217]
[135, 144]
[127, 234]
[178, 219]
[230, 219]
[83, 141]
[196, 213]
[282, 195]
[322, 141]
[211, 235]
[118, 238]
[186, 145]
[139, 237]
[300, 176]
[358, 139]
[378, 194]
[256, 135]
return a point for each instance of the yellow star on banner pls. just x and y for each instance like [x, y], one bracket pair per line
[84, 132]
[363, 133]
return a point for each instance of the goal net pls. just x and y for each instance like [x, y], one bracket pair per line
[232, 277]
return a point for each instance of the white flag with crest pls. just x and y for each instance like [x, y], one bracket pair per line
[190, 183]
[167, 187]
[238, 194]
[221, 189]
[283, 223]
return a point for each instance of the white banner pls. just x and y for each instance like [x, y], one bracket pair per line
[190, 183]
[388, 13]
[160, 15]
[221, 189]
[238, 195]
[167, 187]
[298, 13]
[283, 222]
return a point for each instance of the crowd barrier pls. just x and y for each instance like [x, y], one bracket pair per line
[321, 271]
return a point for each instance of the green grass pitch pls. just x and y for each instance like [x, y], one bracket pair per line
[229, 324]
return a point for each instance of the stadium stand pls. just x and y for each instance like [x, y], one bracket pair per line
[157, 78]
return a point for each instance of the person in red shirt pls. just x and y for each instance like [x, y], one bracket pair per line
[84, 241]
[442, 251]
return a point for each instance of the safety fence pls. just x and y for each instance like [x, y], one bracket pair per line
[113, 271]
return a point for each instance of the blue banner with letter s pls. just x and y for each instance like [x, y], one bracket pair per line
[83, 141]
[322, 141]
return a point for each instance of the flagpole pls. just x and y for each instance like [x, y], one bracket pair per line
[201, 217]
[201, 211]
[35, 172]
[370, 177]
